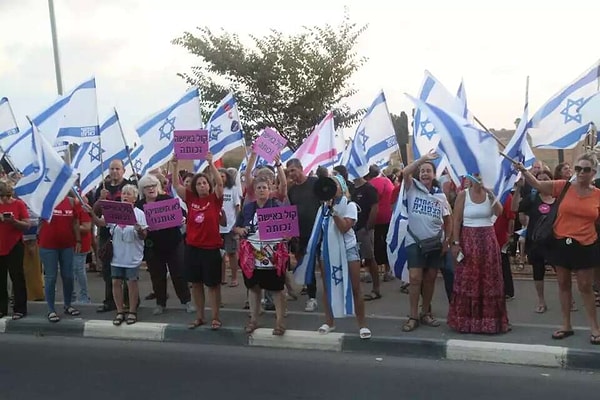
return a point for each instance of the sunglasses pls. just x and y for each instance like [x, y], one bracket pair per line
[585, 170]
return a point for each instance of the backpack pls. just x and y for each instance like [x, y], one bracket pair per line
[543, 229]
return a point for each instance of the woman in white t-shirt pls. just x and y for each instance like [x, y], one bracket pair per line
[344, 215]
[428, 236]
[232, 199]
[128, 254]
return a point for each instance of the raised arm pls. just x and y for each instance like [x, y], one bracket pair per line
[409, 171]
[544, 187]
[248, 178]
[177, 185]
[216, 176]
[282, 189]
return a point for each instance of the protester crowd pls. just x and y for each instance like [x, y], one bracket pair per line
[464, 231]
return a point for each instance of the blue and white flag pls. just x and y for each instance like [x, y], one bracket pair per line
[139, 159]
[156, 131]
[79, 108]
[8, 125]
[591, 111]
[469, 150]
[47, 181]
[335, 268]
[396, 236]
[93, 159]
[374, 141]
[518, 149]
[559, 123]
[224, 130]
[425, 133]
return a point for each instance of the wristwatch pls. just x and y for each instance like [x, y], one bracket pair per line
[277, 165]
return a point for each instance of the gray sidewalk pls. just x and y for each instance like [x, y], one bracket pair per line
[529, 342]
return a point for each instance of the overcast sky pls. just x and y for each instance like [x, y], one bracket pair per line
[126, 45]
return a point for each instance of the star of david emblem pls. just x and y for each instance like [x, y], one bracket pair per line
[214, 132]
[138, 165]
[567, 110]
[167, 128]
[427, 129]
[363, 139]
[483, 136]
[337, 279]
[95, 152]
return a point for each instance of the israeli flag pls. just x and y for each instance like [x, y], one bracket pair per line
[47, 181]
[518, 149]
[138, 158]
[156, 131]
[461, 96]
[374, 141]
[590, 111]
[224, 130]
[80, 115]
[425, 133]
[559, 123]
[396, 236]
[93, 159]
[8, 125]
[469, 149]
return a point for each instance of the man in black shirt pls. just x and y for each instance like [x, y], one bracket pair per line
[302, 195]
[110, 190]
[365, 195]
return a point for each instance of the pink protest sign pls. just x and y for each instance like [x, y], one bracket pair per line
[163, 214]
[191, 145]
[269, 144]
[278, 222]
[116, 212]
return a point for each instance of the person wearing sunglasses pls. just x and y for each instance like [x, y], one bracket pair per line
[574, 242]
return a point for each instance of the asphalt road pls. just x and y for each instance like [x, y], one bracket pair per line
[61, 368]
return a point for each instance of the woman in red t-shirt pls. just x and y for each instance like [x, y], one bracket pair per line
[14, 220]
[59, 240]
[203, 241]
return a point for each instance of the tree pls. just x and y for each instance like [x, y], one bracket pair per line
[288, 82]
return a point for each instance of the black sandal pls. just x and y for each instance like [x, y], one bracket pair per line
[53, 317]
[17, 316]
[72, 311]
[131, 318]
[119, 318]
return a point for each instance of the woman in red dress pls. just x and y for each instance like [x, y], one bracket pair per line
[478, 304]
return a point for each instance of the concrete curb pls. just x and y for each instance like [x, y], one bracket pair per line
[460, 350]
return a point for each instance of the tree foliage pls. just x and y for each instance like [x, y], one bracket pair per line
[288, 82]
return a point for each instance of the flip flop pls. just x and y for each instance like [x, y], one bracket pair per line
[215, 325]
[541, 309]
[372, 296]
[364, 333]
[325, 329]
[196, 323]
[562, 334]
[595, 339]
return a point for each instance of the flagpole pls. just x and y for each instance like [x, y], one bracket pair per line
[489, 132]
[5, 154]
[101, 161]
[57, 69]
[126, 145]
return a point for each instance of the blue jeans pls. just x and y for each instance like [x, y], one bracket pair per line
[80, 278]
[51, 259]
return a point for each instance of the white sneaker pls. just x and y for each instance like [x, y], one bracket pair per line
[158, 310]
[190, 308]
[311, 305]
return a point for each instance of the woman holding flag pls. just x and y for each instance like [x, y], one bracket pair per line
[429, 232]
[340, 262]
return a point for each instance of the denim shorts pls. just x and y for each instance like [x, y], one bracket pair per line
[352, 254]
[130, 274]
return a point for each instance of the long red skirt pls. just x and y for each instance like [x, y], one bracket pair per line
[477, 304]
